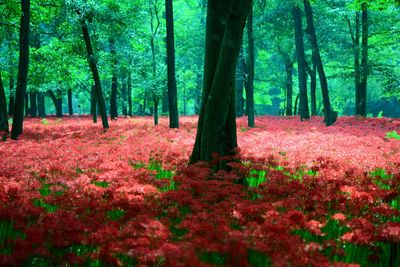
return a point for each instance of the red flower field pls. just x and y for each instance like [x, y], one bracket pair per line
[298, 194]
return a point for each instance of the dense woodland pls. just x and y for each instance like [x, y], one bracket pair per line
[132, 53]
[256, 178]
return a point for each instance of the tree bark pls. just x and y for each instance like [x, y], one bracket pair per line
[114, 82]
[96, 77]
[70, 108]
[57, 101]
[124, 100]
[240, 77]
[93, 103]
[11, 98]
[357, 75]
[216, 130]
[41, 105]
[364, 61]
[172, 90]
[330, 115]
[250, 76]
[130, 94]
[289, 87]
[3, 109]
[33, 108]
[18, 118]
[301, 63]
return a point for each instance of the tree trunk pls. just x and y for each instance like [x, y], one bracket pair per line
[26, 104]
[33, 108]
[330, 115]
[130, 95]
[70, 109]
[18, 118]
[11, 98]
[41, 105]
[216, 130]
[155, 108]
[364, 61]
[3, 109]
[57, 101]
[172, 91]
[114, 82]
[240, 76]
[250, 76]
[289, 88]
[124, 100]
[296, 105]
[96, 77]
[357, 75]
[301, 63]
[93, 103]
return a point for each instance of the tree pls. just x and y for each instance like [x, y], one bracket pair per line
[172, 90]
[216, 129]
[364, 68]
[3, 108]
[114, 82]
[250, 76]
[330, 115]
[301, 63]
[18, 117]
[95, 72]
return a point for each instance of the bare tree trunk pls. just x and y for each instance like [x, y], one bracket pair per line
[41, 105]
[70, 108]
[18, 117]
[216, 130]
[130, 94]
[11, 98]
[364, 62]
[33, 108]
[250, 77]
[3, 109]
[93, 103]
[289, 87]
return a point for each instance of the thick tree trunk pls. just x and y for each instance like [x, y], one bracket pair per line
[11, 98]
[364, 61]
[250, 77]
[130, 94]
[330, 115]
[301, 63]
[70, 108]
[57, 101]
[18, 118]
[313, 89]
[114, 83]
[124, 100]
[33, 108]
[216, 130]
[95, 73]
[240, 76]
[41, 105]
[3, 109]
[172, 90]
[93, 103]
[289, 88]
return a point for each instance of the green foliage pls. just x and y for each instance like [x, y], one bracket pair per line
[393, 135]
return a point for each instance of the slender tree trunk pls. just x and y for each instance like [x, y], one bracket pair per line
[296, 105]
[70, 108]
[172, 90]
[357, 75]
[93, 103]
[216, 130]
[364, 61]
[11, 98]
[41, 105]
[313, 89]
[301, 62]
[57, 101]
[95, 73]
[330, 115]
[164, 99]
[114, 82]
[33, 108]
[250, 77]
[26, 104]
[289, 88]
[18, 118]
[240, 76]
[130, 94]
[156, 99]
[124, 100]
[3, 109]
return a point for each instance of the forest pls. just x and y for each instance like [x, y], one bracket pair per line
[200, 133]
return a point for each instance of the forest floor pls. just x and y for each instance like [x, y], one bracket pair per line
[299, 194]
